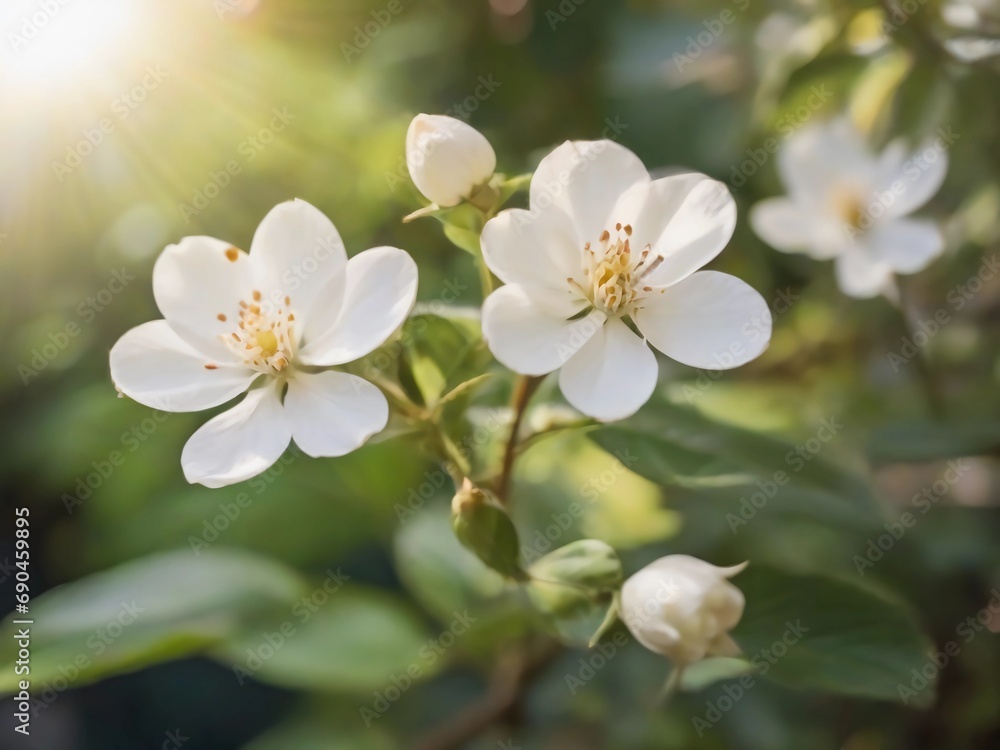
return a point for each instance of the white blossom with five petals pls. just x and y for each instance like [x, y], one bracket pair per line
[267, 319]
[602, 243]
[848, 204]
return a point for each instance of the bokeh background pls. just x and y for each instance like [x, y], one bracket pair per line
[126, 125]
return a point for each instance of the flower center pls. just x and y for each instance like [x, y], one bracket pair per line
[851, 210]
[263, 340]
[614, 273]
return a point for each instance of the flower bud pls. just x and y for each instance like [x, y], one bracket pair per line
[482, 526]
[448, 159]
[683, 608]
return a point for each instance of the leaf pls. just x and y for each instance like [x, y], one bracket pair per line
[160, 607]
[443, 353]
[678, 446]
[353, 639]
[933, 441]
[820, 633]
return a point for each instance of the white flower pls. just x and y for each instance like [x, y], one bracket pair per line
[848, 204]
[267, 318]
[683, 608]
[603, 241]
[447, 158]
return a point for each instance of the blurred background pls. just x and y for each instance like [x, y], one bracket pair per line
[127, 124]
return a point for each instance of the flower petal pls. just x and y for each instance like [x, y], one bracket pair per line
[710, 319]
[240, 443]
[198, 284]
[380, 291]
[537, 250]
[906, 245]
[612, 375]
[820, 158]
[154, 366]
[914, 181]
[860, 274]
[686, 219]
[585, 179]
[529, 340]
[297, 252]
[333, 413]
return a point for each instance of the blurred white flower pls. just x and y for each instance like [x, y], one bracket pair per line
[683, 608]
[603, 241]
[848, 204]
[233, 319]
[447, 158]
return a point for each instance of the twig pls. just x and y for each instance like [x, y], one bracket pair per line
[524, 389]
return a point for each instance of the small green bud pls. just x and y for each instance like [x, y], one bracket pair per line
[484, 527]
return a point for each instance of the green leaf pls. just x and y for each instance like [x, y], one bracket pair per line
[443, 353]
[354, 639]
[933, 441]
[161, 607]
[678, 446]
[819, 633]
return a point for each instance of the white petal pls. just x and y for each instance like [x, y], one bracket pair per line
[860, 274]
[537, 250]
[157, 368]
[194, 283]
[710, 319]
[297, 252]
[447, 158]
[913, 182]
[906, 245]
[685, 219]
[380, 291]
[612, 375]
[819, 159]
[333, 413]
[527, 338]
[585, 180]
[240, 443]
[782, 224]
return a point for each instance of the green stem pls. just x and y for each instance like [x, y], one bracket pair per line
[671, 687]
[485, 276]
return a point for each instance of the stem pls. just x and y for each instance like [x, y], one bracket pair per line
[671, 686]
[524, 388]
[926, 374]
[510, 680]
[535, 437]
[485, 277]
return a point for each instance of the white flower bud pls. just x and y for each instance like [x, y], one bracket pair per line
[683, 608]
[447, 158]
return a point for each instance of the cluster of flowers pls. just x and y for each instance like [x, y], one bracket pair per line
[602, 265]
